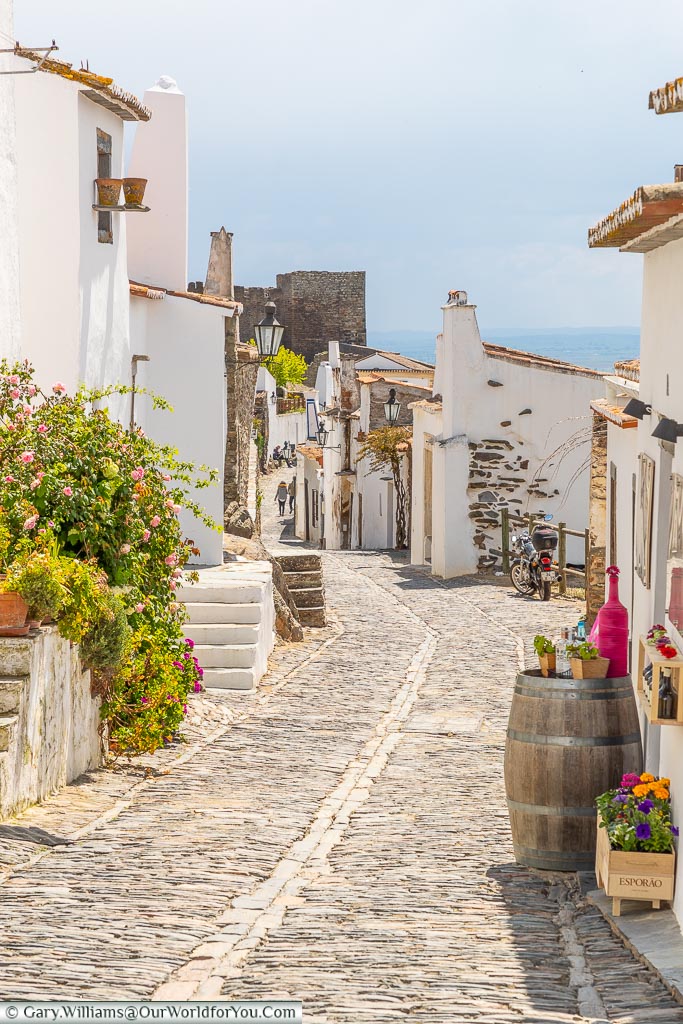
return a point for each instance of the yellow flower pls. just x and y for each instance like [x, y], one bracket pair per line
[664, 782]
[641, 790]
[646, 777]
[661, 794]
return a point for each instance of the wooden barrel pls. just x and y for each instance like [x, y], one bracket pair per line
[568, 740]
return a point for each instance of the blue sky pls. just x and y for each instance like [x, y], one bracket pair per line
[440, 144]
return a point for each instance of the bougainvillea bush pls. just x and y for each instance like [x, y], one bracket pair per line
[77, 485]
[637, 815]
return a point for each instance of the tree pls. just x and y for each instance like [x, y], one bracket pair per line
[287, 367]
[385, 448]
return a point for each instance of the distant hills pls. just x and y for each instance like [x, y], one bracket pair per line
[596, 347]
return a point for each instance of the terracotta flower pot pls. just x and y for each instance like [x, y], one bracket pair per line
[13, 611]
[592, 668]
[108, 191]
[134, 190]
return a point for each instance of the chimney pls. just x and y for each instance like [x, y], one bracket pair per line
[219, 273]
[678, 173]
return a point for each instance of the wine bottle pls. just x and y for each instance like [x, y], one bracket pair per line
[666, 707]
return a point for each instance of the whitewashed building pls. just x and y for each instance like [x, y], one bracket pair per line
[502, 428]
[643, 521]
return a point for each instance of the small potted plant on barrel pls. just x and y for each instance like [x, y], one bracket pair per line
[545, 649]
[635, 856]
[586, 662]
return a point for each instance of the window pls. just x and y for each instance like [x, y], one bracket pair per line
[105, 229]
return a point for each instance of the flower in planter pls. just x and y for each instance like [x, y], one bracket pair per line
[629, 780]
[667, 650]
[637, 815]
[643, 831]
[645, 806]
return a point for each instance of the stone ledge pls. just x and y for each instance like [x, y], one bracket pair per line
[653, 936]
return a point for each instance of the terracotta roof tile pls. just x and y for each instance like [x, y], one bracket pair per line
[311, 451]
[613, 413]
[668, 99]
[629, 369]
[373, 376]
[100, 89]
[154, 292]
[531, 359]
[404, 361]
[647, 208]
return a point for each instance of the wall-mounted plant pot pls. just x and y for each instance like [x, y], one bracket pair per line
[13, 614]
[134, 190]
[592, 668]
[108, 191]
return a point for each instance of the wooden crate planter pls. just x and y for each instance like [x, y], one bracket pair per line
[590, 668]
[646, 652]
[633, 876]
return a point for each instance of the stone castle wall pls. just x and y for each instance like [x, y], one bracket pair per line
[316, 307]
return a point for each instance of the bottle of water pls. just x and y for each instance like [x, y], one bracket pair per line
[561, 657]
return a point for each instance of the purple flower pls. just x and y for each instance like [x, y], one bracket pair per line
[190, 643]
[178, 664]
[620, 798]
[184, 709]
[643, 831]
[629, 780]
[673, 829]
[197, 687]
[187, 655]
[144, 701]
[646, 806]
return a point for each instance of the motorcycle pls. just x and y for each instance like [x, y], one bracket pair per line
[532, 570]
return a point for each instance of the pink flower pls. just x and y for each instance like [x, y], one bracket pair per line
[31, 522]
[15, 393]
[146, 535]
[139, 607]
[32, 389]
[27, 410]
[35, 483]
[177, 573]
[155, 521]
[173, 607]
[10, 426]
[172, 584]
[67, 492]
[171, 559]
[172, 506]
[42, 429]
[9, 479]
[197, 687]
[165, 476]
[40, 475]
[124, 549]
[138, 473]
[13, 379]
[184, 709]
[27, 457]
[58, 388]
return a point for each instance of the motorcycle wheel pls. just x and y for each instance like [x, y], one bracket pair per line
[546, 590]
[520, 579]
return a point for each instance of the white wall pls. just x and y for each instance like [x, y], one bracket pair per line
[157, 244]
[74, 289]
[184, 340]
[10, 311]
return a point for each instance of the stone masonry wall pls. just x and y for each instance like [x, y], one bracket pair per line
[499, 477]
[379, 394]
[241, 364]
[316, 306]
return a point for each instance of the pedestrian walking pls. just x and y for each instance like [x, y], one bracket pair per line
[281, 496]
[291, 491]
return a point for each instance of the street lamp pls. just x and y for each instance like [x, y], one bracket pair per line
[392, 408]
[323, 434]
[268, 333]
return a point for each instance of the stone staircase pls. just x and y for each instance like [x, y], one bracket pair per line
[304, 577]
[231, 620]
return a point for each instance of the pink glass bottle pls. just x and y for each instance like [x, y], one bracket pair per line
[610, 630]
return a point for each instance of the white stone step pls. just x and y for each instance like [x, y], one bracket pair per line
[223, 593]
[229, 679]
[226, 655]
[209, 612]
[215, 633]
[8, 725]
[11, 690]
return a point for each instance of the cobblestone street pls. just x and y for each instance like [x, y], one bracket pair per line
[340, 837]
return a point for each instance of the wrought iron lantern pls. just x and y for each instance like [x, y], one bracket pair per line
[637, 408]
[323, 434]
[268, 333]
[668, 430]
[392, 408]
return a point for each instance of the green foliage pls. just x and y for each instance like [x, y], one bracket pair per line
[586, 651]
[286, 367]
[637, 815]
[146, 703]
[104, 502]
[40, 578]
[542, 645]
